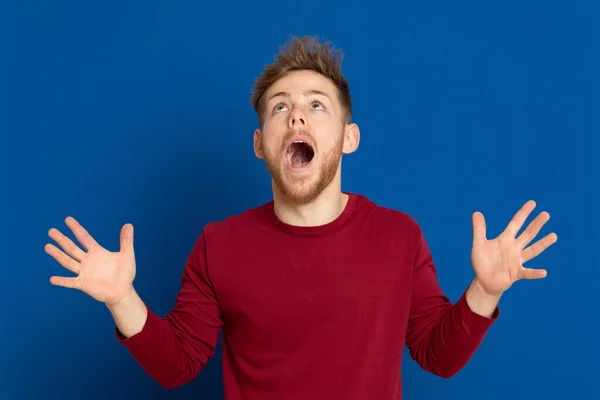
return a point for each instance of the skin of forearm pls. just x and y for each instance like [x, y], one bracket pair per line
[481, 302]
[129, 314]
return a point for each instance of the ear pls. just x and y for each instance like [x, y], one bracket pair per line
[258, 144]
[351, 138]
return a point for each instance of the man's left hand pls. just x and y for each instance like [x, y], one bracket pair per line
[498, 263]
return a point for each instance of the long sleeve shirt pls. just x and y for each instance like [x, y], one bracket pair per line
[320, 312]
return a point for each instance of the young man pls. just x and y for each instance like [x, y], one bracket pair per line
[317, 291]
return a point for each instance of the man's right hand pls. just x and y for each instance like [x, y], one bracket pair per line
[106, 276]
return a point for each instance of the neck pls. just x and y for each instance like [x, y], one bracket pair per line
[324, 209]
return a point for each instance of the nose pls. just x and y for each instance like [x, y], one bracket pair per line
[297, 118]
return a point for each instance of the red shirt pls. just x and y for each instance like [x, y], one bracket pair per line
[310, 312]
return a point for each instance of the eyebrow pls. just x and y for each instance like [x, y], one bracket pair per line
[306, 93]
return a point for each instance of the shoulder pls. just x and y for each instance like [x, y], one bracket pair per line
[386, 218]
[236, 224]
[384, 214]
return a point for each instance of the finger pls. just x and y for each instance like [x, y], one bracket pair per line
[533, 229]
[62, 258]
[478, 228]
[71, 283]
[518, 220]
[530, 273]
[538, 247]
[86, 240]
[67, 244]
[127, 239]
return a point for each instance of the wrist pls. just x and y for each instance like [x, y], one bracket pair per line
[480, 301]
[124, 302]
[477, 286]
[129, 314]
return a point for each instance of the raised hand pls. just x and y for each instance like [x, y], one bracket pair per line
[498, 263]
[106, 276]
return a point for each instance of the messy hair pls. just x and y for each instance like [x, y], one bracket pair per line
[305, 53]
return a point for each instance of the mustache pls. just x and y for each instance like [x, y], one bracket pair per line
[303, 133]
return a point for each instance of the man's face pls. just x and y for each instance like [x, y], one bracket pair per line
[303, 135]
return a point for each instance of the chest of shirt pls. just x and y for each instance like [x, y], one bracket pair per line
[283, 292]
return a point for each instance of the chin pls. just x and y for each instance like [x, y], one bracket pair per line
[300, 194]
[298, 186]
[303, 188]
[299, 174]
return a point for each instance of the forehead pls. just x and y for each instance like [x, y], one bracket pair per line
[297, 82]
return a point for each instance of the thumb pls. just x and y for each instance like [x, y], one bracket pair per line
[127, 238]
[530, 273]
[478, 228]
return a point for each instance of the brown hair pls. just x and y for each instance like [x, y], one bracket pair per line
[305, 53]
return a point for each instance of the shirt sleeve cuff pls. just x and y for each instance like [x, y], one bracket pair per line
[137, 340]
[473, 319]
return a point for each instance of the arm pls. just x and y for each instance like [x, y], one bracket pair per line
[129, 314]
[171, 350]
[174, 349]
[480, 302]
[442, 337]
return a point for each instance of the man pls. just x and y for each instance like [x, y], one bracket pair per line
[317, 291]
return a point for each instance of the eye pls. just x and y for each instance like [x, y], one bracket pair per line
[278, 107]
[319, 104]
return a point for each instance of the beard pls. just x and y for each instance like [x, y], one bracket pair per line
[304, 189]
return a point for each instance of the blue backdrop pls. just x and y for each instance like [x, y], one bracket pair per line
[124, 111]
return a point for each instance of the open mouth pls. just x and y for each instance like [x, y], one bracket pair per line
[299, 154]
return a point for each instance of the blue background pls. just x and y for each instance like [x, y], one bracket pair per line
[124, 111]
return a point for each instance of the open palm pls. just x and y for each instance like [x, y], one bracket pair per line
[106, 276]
[498, 263]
